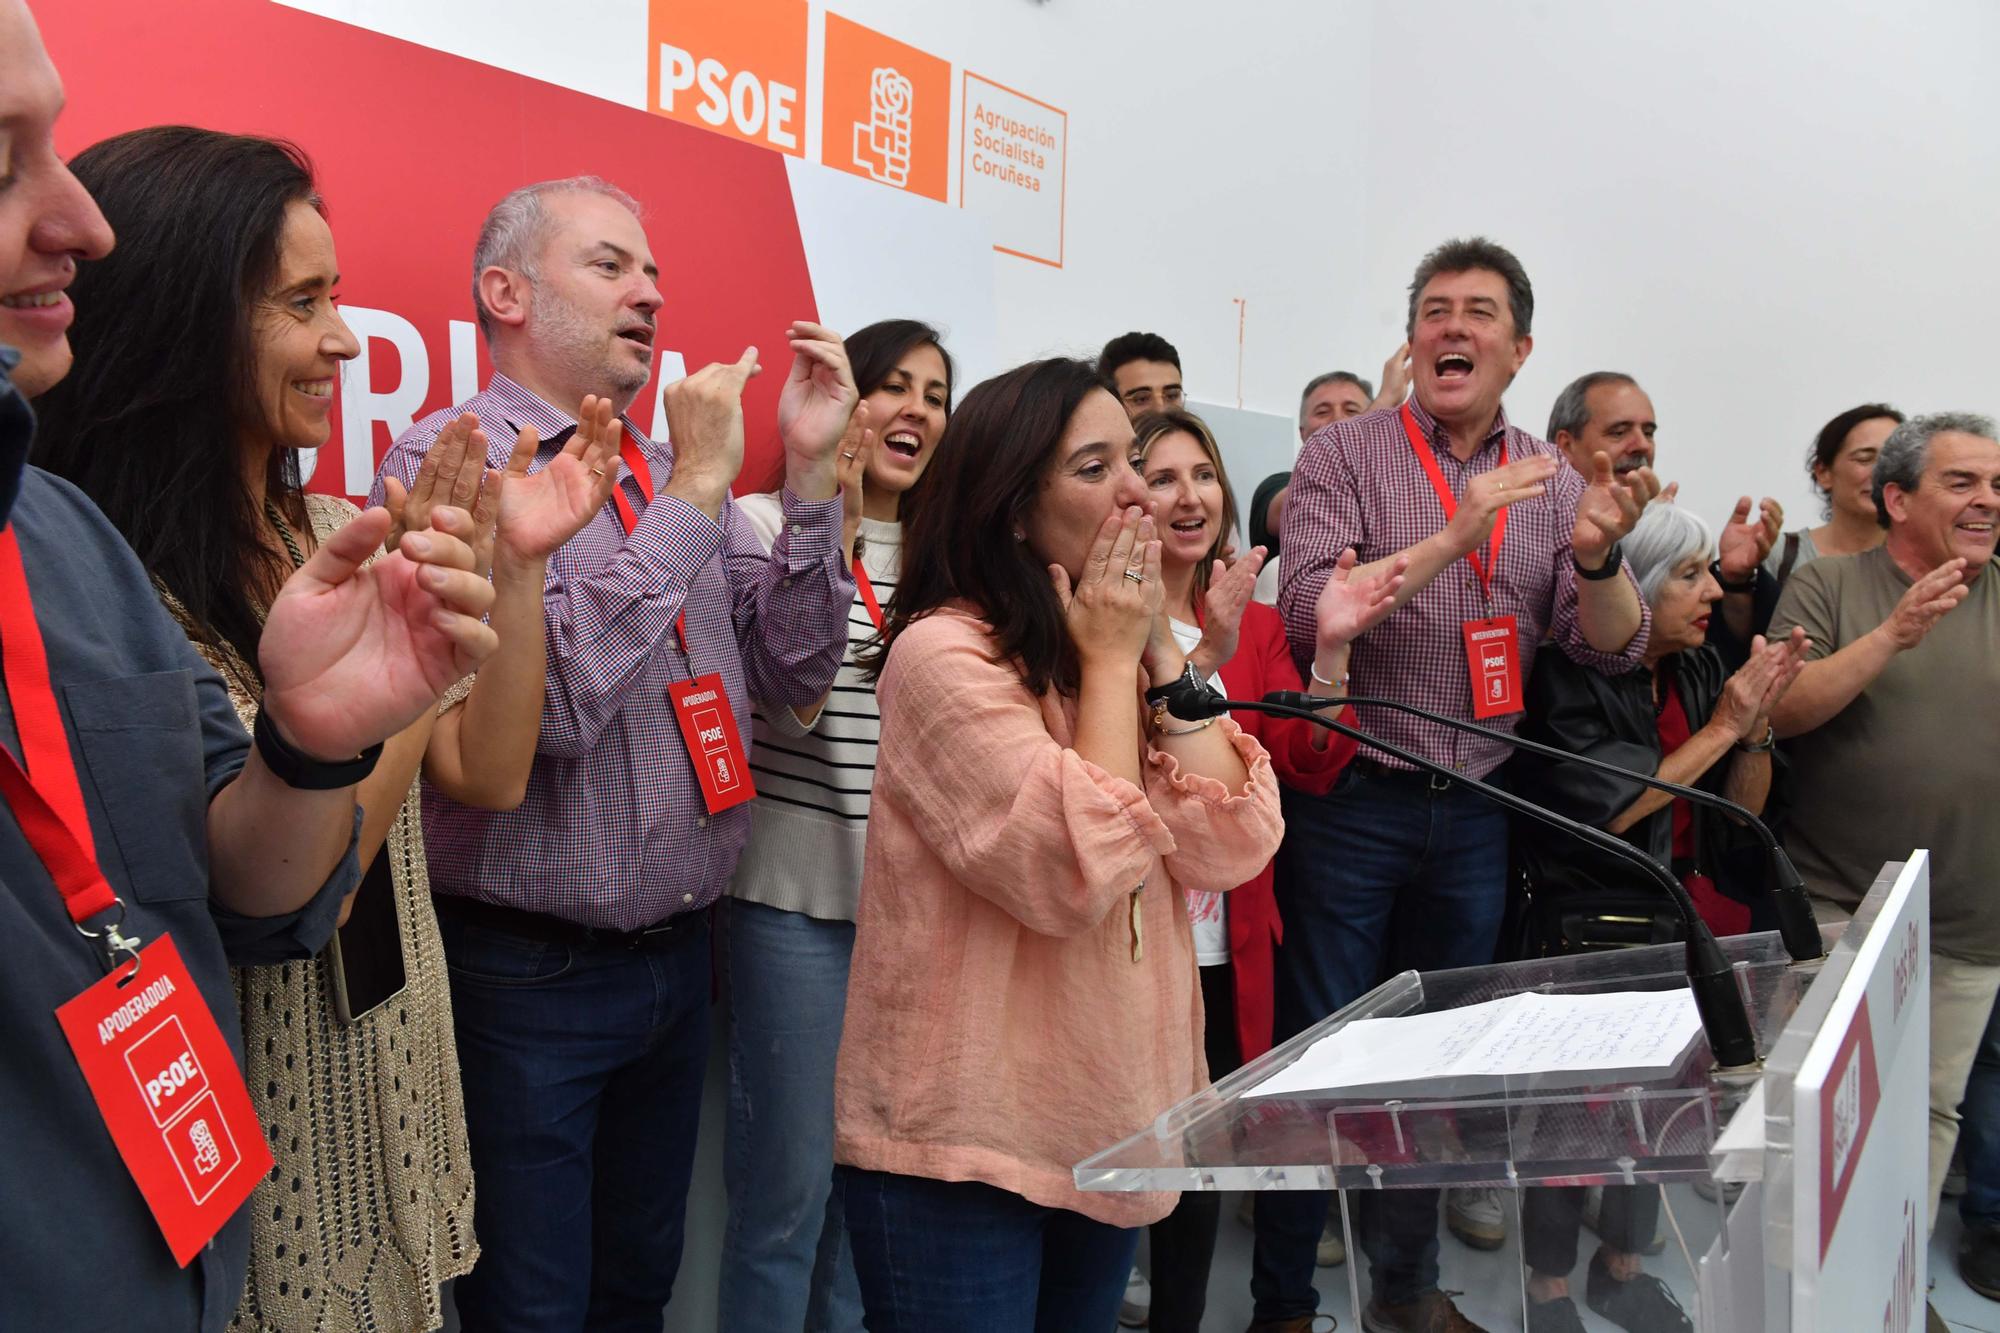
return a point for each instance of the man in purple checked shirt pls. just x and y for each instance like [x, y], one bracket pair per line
[576, 926]
[1394, 869]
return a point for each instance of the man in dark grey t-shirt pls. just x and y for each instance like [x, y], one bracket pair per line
[1891, 725]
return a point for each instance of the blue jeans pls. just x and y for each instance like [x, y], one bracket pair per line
[938, 1256]
[582, 1069]
[786, 1264]
[1385, 872]
[1979, 1132]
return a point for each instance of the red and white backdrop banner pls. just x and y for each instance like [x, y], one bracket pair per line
[413, 145]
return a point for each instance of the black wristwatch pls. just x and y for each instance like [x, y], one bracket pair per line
[297, 769]
[1748, 585]
[1610, 568]
[1156, 698]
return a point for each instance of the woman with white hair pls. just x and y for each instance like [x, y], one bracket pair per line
[1680, 716]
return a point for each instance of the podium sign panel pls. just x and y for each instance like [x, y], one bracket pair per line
[1860, 1124]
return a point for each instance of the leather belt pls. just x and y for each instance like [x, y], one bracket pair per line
[556, 930]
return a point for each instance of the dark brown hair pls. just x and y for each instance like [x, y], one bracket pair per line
[1157, 426]
[959, 542]
[150, 421]
[1827, 444]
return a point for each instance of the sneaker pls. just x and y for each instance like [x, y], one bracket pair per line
[1137, 1306]
[1332, 1251]
[1979, 1259]
[1474, 1216]
[1431, 1312]
[1643, 1304]
[1556, 1316]
[1593, 1208]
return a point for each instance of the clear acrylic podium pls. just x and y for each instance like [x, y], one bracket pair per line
[1659, 1134]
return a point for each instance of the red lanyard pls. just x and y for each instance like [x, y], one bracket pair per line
[49, 804]
[1450, 502]
[642, 472]
[867, 591]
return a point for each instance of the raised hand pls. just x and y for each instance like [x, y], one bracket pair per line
[1490, 492]
[818, 397]
[1395, 380]
[1746, 541]
[1349, 607]
[450, 474]
[540, 511]
[705, 426]
[1230, 587]
[856, 448]
[1609, 509]
[1112, 616]
[351, 656]
[1925, 603]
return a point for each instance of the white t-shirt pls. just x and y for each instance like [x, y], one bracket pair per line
[1208, 912]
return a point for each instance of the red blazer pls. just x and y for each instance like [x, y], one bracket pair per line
[1263, 663]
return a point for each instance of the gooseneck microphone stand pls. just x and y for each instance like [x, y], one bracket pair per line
[1717, 999]
[1789, 903]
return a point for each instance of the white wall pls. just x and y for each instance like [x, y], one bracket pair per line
[1766, 212]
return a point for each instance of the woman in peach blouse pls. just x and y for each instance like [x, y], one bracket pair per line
[1023, 990]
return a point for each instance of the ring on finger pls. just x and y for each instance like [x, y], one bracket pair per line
[1135, 576]
[597, 472]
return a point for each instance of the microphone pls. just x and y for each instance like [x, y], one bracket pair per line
[1797, 926]
[1717, 999]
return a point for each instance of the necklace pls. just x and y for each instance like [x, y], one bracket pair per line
[284, 533]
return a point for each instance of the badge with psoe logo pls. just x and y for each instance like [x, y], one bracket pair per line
[1493, 659]
[171, 1094]
[708, 725]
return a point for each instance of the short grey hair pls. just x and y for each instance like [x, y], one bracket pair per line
[513, 233]
[1572, 407]
[1333, 377]
[1665, 535]
[1907, 451]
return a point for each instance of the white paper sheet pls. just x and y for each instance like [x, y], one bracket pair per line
[1567, 1039]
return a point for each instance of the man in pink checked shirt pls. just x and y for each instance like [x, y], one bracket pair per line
[576, 926]
[1393, 869]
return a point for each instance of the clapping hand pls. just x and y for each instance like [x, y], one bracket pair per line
[453, 474]
[814, 407]
[351, 655]
[1925, 603]
[1609, 509]
[1746, 541]
[1492, 491]
[1230, 588]
[857, 446]
[1349, 607]
[1754, 690]
[542, 510]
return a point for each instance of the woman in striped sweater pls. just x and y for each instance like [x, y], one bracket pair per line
[788, 926]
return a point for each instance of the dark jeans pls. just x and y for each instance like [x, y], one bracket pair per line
[583, 1068]
[1385, 872]
[1552, 1220]
[1184, 1240]
[939, 1256]
[1979, 1132]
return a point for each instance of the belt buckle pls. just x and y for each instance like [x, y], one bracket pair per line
[1438, 782]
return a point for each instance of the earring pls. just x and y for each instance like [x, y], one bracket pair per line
[1019, 535]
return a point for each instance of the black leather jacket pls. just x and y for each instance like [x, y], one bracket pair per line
[1612, 718]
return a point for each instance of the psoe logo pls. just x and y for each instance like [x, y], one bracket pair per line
[882, 142]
